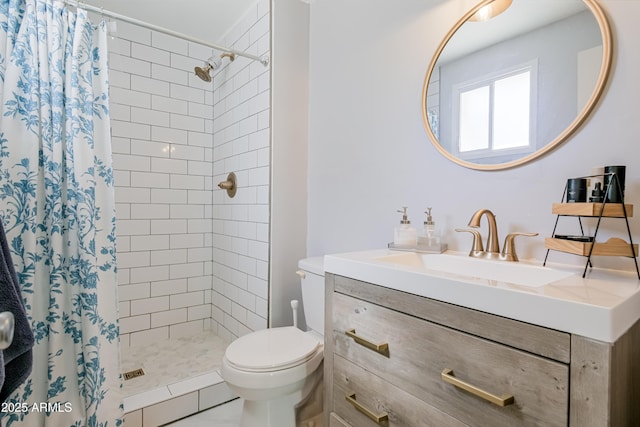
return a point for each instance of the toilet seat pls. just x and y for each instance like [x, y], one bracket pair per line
[271, 350]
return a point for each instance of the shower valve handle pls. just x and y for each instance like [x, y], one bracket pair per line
[231, 185]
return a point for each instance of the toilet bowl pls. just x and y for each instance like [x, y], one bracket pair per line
[275, 370]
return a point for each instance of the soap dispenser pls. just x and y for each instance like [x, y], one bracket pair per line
[430, 235]
[405, 234]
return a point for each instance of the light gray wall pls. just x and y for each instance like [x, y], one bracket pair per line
[290, 41]
[369, 153]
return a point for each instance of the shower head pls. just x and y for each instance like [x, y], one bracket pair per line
[212, 63]
[203, 73]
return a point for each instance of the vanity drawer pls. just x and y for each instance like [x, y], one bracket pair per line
[418, 352]
[357, 392]
[336, 421]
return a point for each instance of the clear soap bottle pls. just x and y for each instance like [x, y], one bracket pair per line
[404, 234]
[430, 235]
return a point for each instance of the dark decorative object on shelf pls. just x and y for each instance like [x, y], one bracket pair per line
[614, 177]
[576, 190]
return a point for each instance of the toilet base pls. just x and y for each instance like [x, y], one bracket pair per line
[304, 401]
[270, 413]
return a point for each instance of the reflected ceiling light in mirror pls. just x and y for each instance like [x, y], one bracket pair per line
[491, 10]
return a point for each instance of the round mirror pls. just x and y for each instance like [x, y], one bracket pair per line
[515, 78]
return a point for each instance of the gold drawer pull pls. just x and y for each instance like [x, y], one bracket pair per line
[504, 400]
[351, 398]
[380, 348]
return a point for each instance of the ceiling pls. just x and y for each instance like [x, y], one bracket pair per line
[523, 16]
[208, 20]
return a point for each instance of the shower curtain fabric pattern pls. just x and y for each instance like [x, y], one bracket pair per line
[57, 206]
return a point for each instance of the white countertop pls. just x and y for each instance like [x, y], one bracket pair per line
[602, 306]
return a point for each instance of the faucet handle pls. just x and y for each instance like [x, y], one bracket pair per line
[477, 249]
[509, 248]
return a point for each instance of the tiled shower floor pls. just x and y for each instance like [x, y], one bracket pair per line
[173, 360]
[180, 374]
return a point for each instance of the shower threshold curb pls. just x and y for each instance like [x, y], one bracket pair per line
[177, 400]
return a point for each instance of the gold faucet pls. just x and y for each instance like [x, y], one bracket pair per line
[493, 247]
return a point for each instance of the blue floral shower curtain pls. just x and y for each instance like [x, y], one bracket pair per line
[57, 207]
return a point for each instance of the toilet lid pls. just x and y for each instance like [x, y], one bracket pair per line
[271, 349]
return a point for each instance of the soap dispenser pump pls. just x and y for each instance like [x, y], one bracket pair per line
[430, 236]
[404, 234]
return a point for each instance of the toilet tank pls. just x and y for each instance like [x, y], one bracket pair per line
[312, 284]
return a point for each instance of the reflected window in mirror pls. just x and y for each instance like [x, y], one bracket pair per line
[494, 116]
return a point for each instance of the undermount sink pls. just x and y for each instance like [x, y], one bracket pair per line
[501, 271]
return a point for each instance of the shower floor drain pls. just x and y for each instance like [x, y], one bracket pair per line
[133, 374]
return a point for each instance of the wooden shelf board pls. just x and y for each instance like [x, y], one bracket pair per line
[611, 210]
[613, 247]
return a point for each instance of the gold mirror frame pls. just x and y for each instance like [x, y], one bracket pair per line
[607, 54]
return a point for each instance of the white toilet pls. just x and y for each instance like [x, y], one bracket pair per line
[275, 370]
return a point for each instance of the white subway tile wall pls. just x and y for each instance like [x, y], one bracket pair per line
[190, 257]
[241, 111]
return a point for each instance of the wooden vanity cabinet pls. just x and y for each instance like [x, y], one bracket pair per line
[397, 359]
